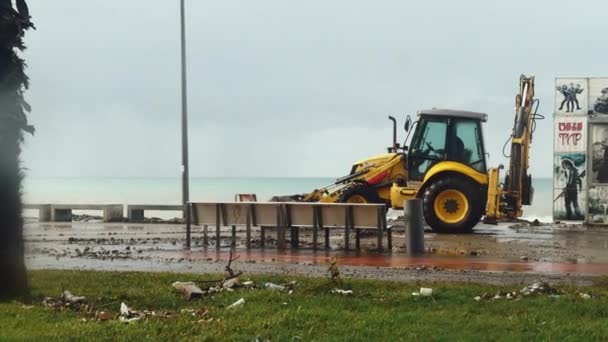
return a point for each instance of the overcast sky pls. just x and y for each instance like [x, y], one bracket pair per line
[286, 88]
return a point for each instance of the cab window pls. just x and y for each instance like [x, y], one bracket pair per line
[467, 147]
[428, 147]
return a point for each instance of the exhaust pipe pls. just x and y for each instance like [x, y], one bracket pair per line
[395, 145]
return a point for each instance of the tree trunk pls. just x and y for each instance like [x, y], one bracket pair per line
[13, 277]
[13, 121]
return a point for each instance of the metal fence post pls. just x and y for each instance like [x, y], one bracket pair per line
[414, 227]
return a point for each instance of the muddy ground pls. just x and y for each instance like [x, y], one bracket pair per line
[506, 253]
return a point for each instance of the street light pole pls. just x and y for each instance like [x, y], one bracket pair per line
[185, 162]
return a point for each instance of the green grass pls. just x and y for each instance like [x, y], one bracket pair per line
[377, 311]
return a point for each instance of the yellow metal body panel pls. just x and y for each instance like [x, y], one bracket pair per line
[450, 166]
[401, 194]
[494, 193]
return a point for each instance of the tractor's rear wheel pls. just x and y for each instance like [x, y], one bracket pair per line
[453, 205]
[359, 193]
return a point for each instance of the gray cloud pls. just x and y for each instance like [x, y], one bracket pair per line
[285, 88]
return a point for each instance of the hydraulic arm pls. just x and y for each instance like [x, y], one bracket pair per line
[506, 201]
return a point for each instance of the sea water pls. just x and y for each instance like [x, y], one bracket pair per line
[169, 190]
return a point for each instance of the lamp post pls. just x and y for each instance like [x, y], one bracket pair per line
[185, 162]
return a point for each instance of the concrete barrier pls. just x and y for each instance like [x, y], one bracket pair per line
[44, 211]
[135, 212]
[63, 212]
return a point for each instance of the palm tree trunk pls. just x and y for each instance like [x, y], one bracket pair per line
[13, 122]
[13, 278]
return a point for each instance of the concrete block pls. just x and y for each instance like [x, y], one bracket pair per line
[61, 215]
[135, 215]
[113, 213]
[44, 213]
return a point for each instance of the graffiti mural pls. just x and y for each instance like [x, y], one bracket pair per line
[571, 96]
[570, 134]
[569, 200]
[598, 96]
[598, 205]
[599, 153]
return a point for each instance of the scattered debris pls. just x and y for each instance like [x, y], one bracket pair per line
[231, 272]
[230, 283]
[236, 304]
[129, 315]
[537, 288]
[103, 316]
[274, 287]
[334, 271]
[426, 292]
[585, 295]
[69, 298]
[342, 292]
[524, 258]
[188, 289]
[540, 288]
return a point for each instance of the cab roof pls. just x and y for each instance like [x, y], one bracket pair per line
[454, 113]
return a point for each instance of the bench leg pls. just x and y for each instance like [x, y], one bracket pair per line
[281, 237]
[233, 243]
[295, 237]
[357, 239]
[327, 246]
[205, 236]
[389, 236]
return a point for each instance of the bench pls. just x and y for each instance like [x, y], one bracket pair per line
[44, 211]
[63, 212]
[292, 215]
[135, 212]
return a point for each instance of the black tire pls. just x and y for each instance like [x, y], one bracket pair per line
[473, 193]
[365, 191]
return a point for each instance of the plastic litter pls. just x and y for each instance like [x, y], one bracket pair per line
[236, 304]
[274, 287]
[342, 292]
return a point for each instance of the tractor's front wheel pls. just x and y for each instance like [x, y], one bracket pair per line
[359, 193]
[453, 205]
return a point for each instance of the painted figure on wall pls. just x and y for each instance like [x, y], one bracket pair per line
[602, 172]
[574, 185]
[570, 200]
[570, 93]
[601, 103]
[599, 153]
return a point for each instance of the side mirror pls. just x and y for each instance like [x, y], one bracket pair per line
[408, 123]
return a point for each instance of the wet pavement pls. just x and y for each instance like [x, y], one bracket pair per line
[549, 250]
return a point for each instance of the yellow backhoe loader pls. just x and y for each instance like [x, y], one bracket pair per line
[445, 166]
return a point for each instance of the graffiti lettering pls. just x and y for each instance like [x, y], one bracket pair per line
[570, 138]
[570, 126]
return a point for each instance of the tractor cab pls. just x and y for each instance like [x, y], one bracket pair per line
[446, 135]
